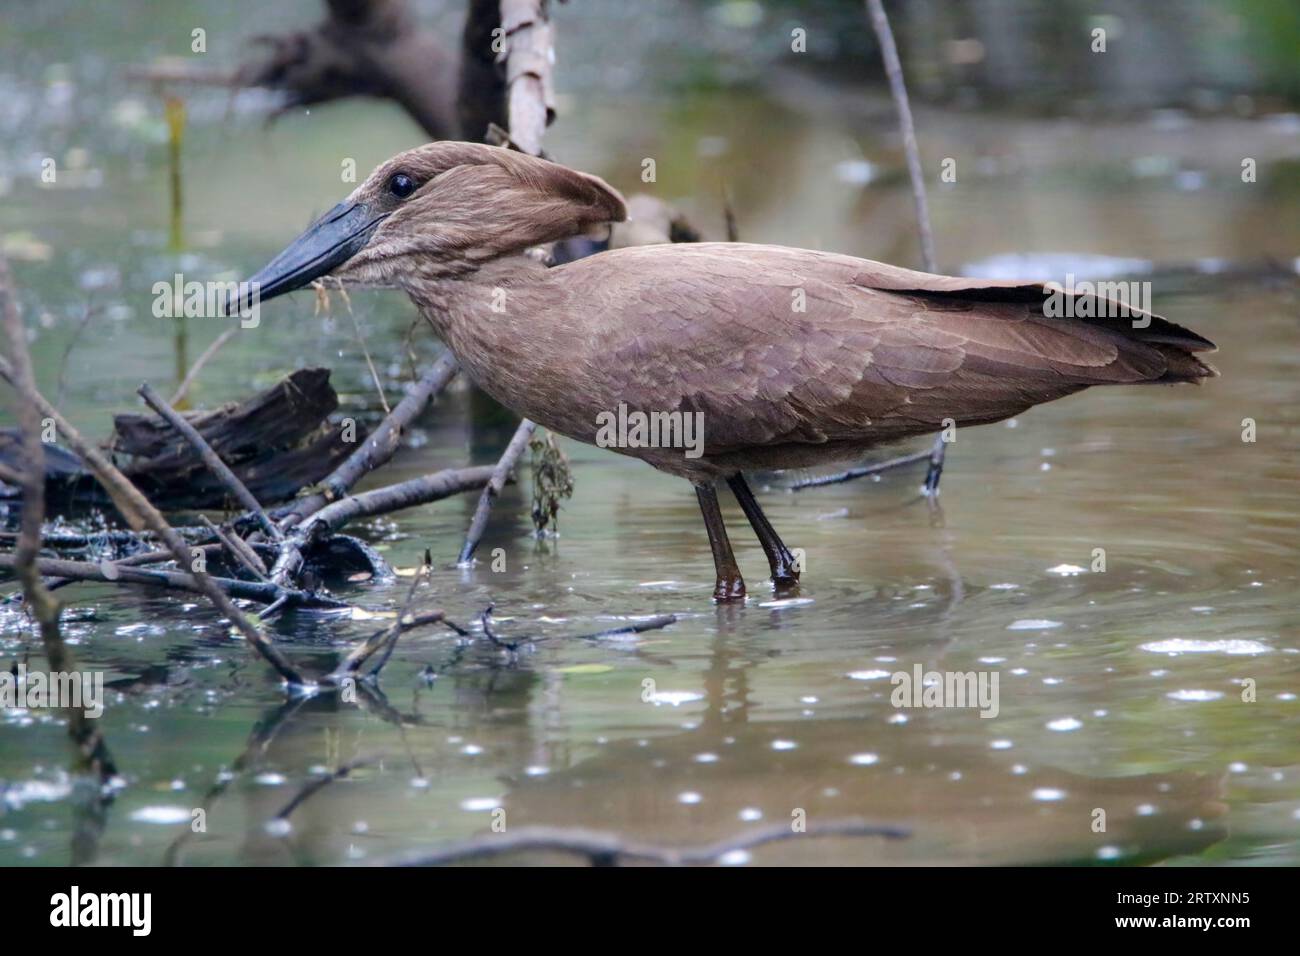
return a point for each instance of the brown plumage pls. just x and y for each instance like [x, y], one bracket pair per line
[793, 357]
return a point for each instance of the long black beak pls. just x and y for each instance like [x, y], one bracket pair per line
[329, 242]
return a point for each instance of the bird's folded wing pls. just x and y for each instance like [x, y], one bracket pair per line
[779, 345]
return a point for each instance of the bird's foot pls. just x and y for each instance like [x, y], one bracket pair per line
[785, 568]
[729, 590]
[785, 587]
[785, 578]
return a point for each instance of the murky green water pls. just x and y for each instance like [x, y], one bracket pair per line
[1120, 690]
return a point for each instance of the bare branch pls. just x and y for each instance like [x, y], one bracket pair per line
[141, 514]
[894, 71]
[381, 443]
[183, 389]
[500, 475]
[26, 557]
[210, 458]
[607, 849]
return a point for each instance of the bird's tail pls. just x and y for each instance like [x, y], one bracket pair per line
[1184, 365]
[1178, 346]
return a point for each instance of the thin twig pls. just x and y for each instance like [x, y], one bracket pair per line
[238, 549]
[89, 313]
[405, 621]
[862, 472]
[211, 459]
[261, 591]
[898, 88]
[608, 849]
[636, 627]
[140, 513]
[183, 389]
[370, 363]
[380, 445]
[500, 475]
[319, 783]
[404, 494]
[93, 751]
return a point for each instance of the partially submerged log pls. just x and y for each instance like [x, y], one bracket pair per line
[277, 443]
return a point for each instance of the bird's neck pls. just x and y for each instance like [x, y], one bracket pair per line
[489, 314]
[473, 293]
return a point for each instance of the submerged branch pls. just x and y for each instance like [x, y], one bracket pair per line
[263, 592]
[607, 849]
[863, 472]
[379, 447]
[500, 475]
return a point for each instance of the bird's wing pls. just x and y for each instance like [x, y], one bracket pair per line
[779, 345]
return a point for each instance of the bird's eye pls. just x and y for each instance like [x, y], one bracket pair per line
[401, 185]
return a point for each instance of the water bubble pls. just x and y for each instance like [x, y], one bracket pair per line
[1187, 646]
[162, 815]
[1064, 724]
[674, 697]
[1033, 624]
[869, 675]
[1194, 695]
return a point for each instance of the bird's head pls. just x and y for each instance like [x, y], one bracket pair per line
[440, 210]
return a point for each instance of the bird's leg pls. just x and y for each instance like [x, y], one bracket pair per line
[785, 572]
[935, 470]
[730, 586]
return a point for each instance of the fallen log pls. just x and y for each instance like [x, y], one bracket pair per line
[276, 443]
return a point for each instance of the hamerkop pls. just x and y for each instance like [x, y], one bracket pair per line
[793, 358]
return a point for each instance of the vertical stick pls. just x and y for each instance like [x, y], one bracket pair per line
[43, 605]
[894, 71]
[528, 89]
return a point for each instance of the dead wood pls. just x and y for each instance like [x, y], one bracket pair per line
[499, 475]
[141, 514]
[210, 459]
[406, 494]
[260, 591]
[275, 443]
[608, 849]
[380, 446]
[92, 749]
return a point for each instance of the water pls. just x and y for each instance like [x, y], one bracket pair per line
[1120, 690]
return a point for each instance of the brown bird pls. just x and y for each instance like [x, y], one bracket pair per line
[787, 357]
